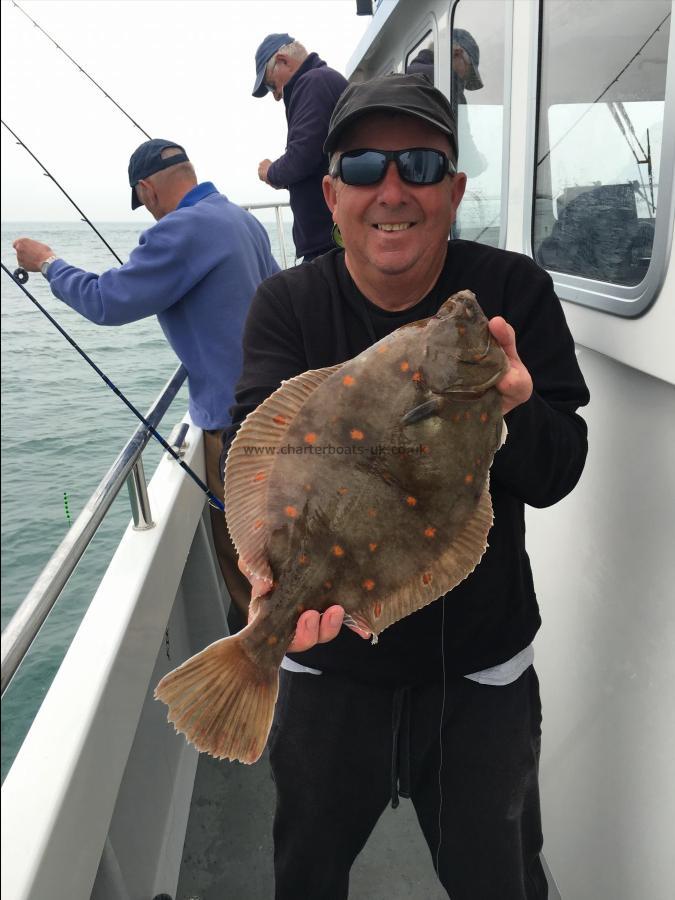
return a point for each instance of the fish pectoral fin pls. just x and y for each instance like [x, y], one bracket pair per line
[423, 411]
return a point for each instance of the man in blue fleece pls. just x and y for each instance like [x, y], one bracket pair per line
[196, 270]
[310, 90]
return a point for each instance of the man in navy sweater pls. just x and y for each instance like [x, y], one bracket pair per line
[196, 270]
[310, 90]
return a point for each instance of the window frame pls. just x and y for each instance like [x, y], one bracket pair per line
[428, 26]
[506, 106]
[627, 301]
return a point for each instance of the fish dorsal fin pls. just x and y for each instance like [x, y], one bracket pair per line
[251, 460]
[453, 566]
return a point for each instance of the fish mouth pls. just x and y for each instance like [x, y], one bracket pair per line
[393, 226]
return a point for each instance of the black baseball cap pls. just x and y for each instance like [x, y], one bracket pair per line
[147, 159]
[411, 95]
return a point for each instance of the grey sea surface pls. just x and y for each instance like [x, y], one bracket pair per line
[62, 428]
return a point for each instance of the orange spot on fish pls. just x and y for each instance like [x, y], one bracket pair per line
[483, 417]
[258, 524]
[307, 487]
[424, 448]
[259, 476]
[417, 376]
[411, 501]
[426, 578]
[468, 478]
[372, 547]
[272, 640]
[461, 329]
[337, 550]
[310, 437]
[430, 531]
[368, 584]
[382, 349]
[405, 365]
[303, 559]
[280, 420]
[328, 585]
[377, 609]
[342, 491]
[356, 435]
[290, 511]
[372, 512]
[348, 381]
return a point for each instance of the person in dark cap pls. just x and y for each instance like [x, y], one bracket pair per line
[196, 270]
[445, 708]
[465, 77]
[310, 90]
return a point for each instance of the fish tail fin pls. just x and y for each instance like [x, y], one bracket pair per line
[222, 700]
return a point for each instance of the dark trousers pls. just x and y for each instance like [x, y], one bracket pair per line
[339, 750]
[237, 584]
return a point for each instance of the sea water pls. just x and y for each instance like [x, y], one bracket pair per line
[62, 428]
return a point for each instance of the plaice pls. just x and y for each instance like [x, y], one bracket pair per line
[364, 485]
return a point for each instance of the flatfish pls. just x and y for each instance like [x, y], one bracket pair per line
[364, 484]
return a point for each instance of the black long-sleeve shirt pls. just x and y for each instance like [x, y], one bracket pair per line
[314, 316]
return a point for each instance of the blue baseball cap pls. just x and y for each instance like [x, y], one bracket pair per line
[147, 159]
[263, 55]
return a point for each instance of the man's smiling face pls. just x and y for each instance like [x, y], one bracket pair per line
[394, 227]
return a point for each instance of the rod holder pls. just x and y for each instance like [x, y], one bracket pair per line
[138, 497]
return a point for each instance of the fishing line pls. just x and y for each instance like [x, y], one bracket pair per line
[213, 500]
[79, 67]
[63, 191]
[440, 744]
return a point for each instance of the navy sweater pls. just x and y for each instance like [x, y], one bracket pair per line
[196, 270]
[310, 97]
[315, 316]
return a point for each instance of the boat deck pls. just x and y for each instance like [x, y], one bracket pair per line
[228, 846]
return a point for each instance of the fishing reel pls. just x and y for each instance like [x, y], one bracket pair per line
[20, 275]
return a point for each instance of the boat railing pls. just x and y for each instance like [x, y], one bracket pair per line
[277, 207]
[24, 625]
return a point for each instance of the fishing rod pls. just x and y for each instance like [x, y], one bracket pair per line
[79, 67]
[213, 500]
[20, 277]
[63, 191]
[602, 94]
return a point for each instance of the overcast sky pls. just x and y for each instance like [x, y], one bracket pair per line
[183, 69]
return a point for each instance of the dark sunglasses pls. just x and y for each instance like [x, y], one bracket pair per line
[417, 165]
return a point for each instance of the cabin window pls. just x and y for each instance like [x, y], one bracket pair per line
[477, 88]
[420, 59]
[601, 105]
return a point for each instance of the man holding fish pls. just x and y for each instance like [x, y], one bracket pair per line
[444, 708]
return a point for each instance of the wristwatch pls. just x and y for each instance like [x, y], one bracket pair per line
[46, 264]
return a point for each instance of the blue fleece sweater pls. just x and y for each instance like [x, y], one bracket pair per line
[196, 270]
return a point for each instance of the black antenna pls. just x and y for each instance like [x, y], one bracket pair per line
[63, 191]
[213, 500]
[79, 67]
